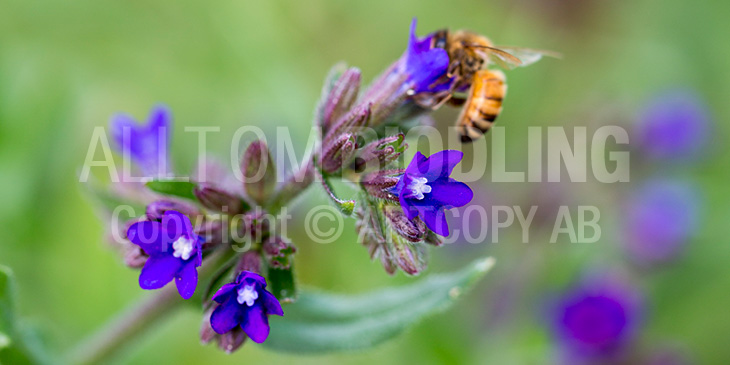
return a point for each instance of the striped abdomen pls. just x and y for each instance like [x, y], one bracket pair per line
[484, 104]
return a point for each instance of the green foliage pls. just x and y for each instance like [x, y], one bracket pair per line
[321, 322]
[182, 189]
[18, 343]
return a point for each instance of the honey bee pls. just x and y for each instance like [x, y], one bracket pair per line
[470, 54]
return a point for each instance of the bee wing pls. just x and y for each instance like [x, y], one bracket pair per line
[503, 59]
[528, 56]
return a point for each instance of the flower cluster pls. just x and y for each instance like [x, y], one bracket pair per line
[184, 238]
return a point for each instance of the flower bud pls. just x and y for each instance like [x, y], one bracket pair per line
[134, 257]
[341, 97]
[259, 172]
[212, 231]
[412, 230]
[350, 122]
[378, 154]
[249, 261]
[217, 199]
[278, 252]
[432, 238]
[255, 225]
[228, 342]
[157, 209]
[232, 340]
[378, 184]
[337, 153]
[206, 331]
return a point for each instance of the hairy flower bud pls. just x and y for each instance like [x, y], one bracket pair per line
[254, 225]
[378, 154]
[212, 231]
[157, 209]
[259, 172]
[249, 261]
[217, 199]
[412, 230]
[340, 98]
[337, 153]
[134, 257]
[378, 184]
[279, 253]
[228, 342]
[350, 122]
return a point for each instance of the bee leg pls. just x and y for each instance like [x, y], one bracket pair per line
[457, 101]
[428, 100]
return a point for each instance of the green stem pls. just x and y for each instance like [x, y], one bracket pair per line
[124, 328]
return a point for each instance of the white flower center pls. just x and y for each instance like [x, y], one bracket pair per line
[247, 295]
[419, 187]
[183, 247]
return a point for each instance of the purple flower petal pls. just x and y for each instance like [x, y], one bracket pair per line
[440, 164]
[226, 316]
[148, 236]
[146, 144]
[177, 224]
[158, 271]
[451, 193]
[251, 278]
[424, 64]
[271, 304]
[256, 324]
[187, 280]
[224, 292]
[435, 219]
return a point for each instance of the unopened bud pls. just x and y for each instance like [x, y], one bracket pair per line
[279, 253]
[378, 154]
[259, 172]
[351, 122]
[340, 97]
[249, 261]
[338, 153]
[217, 199]
[157, 209]
[378, 184]
[412, 230]
[135, 257]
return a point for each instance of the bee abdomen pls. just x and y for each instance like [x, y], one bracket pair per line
[484, 104]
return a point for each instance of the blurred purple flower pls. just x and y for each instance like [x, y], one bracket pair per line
[245, 303]
[174, 252]
[426, 190]
[661, 216]
[145, 144]
[675, 125]
[597, 319]
[424, 63]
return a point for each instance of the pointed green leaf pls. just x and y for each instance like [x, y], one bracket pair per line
[320, 322]
[182, 189]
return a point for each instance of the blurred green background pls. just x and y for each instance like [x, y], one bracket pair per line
[66, 67]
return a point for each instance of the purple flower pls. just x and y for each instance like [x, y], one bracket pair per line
[424, 63]
[145, 144]
[426, 190]
[174, 252]
[597, 319]
[674, 125]
[661, 216]
[245, 303]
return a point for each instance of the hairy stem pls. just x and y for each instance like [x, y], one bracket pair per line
[128, 325]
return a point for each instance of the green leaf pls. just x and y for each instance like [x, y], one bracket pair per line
[282, 284]
[18, 343]
[321, 322]
[7, 300]
[182, 189]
